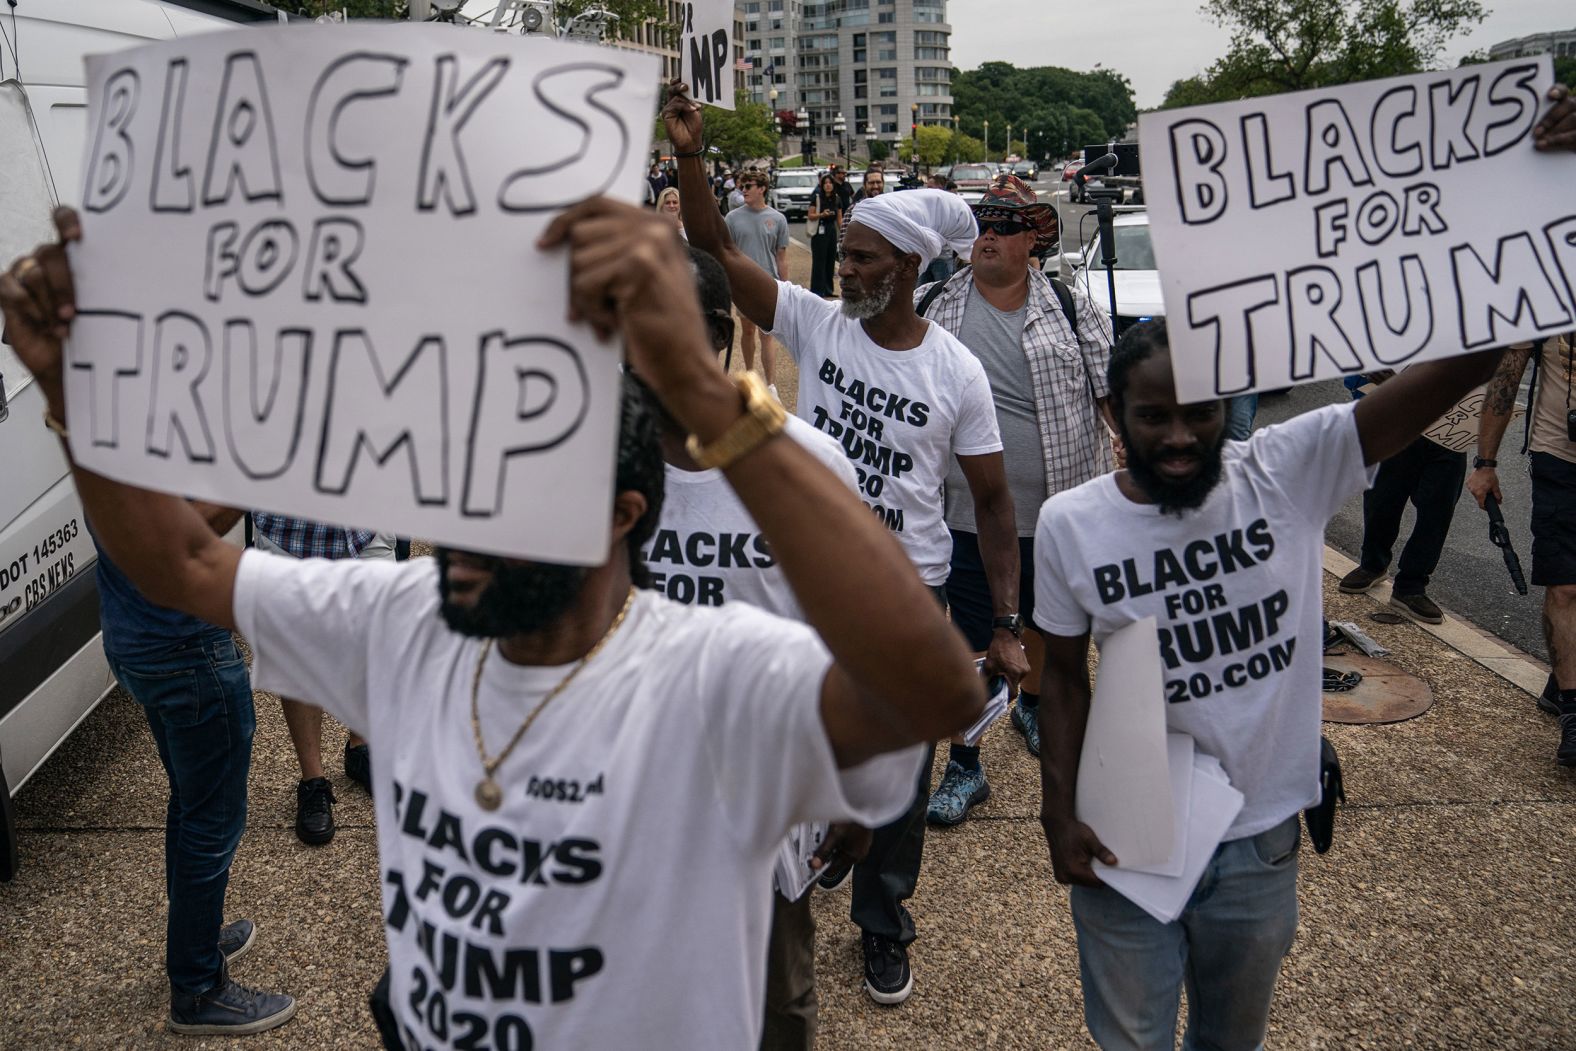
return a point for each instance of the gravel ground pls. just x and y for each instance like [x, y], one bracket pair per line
[1442, 918]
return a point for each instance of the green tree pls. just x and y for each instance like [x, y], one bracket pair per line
[880, 150]
[1291, 45]
[1054, 105]
[934, 141]
[744, 133]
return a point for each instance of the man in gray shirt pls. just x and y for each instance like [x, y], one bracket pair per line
[761, 233]
[1047, 378]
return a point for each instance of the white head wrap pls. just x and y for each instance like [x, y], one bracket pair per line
[920, 221]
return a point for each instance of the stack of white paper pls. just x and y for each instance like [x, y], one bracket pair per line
[995, 706]
[1155, 801]
[793, 874]
[1124, 783]
[1200, 820]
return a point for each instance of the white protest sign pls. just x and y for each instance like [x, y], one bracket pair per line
[706, 51]
[1457, 429]
[1306, 236]
[308, 281]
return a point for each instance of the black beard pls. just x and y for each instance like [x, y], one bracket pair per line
[1175, 498]
[519, 600]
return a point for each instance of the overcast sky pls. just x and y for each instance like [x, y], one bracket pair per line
[1155, 42]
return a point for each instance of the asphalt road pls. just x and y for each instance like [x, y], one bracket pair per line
[1471, 581]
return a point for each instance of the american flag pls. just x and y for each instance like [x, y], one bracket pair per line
[744, 64]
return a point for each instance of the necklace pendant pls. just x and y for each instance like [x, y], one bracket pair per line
[488, 795]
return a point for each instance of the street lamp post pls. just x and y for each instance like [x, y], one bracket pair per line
[913, 130]
[952, 146]
[987, 141]
[1009, 139]
[807, 136]
[840, 129]
[777, 121]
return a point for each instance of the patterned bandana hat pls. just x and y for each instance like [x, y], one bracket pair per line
[1010, 198]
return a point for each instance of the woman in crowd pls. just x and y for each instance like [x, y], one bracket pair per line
[668, 208]
[826, 213]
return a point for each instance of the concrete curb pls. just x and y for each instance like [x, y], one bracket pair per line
[1515, 667]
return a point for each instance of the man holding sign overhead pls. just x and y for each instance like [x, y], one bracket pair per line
[1221, 543]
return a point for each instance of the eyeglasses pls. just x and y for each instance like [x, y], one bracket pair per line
[1003, 227]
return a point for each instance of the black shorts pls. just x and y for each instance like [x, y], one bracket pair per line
[968, 588]
[1553, 520]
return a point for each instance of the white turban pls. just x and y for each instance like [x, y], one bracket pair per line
[923, 222]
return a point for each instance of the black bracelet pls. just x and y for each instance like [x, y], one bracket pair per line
[698, 153]
[1482, 462]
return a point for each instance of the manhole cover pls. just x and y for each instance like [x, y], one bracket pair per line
[1386, 695]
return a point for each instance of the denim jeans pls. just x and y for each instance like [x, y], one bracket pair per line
[198, 700]
[1227, 946]
[1239, 416]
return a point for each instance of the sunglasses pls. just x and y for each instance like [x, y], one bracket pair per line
[1003, 227]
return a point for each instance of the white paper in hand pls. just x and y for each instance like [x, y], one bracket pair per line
[995, 707]
[1179, 759]
[1124, 781]
[792, 873]
[1214, 806]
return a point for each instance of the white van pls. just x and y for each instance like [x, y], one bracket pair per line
[52, 667]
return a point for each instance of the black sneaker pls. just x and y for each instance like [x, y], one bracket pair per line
[315, 811]
[888, 979]
[235, 938]
[229, 1009]
[1359, 581]
[1566, 756]
[1549, 700]
[358, 765]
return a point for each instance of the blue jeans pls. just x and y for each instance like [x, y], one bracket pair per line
[1227, 946]
[198, 700]
[1240, 411]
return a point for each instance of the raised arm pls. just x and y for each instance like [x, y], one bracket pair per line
[1391, 418]
[164, 544]
[900, 675]
[1064, 715]
[1499, 406]
[754, 290]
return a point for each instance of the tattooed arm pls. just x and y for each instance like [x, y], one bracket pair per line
[1498, 405]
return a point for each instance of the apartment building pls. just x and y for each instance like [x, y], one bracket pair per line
[882, 65]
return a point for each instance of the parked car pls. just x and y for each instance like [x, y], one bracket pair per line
[973, 180]
[1137, 280]
[791, 191]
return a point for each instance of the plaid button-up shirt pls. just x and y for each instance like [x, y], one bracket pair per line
[1066, 368]
[305, 539]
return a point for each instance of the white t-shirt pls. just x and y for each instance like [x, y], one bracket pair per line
[621, 895]
[707, 550]
[1235, 587]
[900, 415]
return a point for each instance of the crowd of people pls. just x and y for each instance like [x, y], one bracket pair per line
[787, 622]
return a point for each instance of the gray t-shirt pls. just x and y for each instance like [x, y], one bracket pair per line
[996, 338]
[759, 235]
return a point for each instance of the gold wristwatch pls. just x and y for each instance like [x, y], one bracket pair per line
[763, 419]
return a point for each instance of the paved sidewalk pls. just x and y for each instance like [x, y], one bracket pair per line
[1444, 916]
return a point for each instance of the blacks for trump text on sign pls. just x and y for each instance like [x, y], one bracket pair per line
[706, 50]
[1310, 235]
[308, 282]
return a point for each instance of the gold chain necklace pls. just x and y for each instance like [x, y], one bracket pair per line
[488, 795]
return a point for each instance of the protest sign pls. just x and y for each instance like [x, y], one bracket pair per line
[308, 282]
[706, 51]
[1351, 229]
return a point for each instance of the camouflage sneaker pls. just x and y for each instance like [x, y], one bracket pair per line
[960, 791]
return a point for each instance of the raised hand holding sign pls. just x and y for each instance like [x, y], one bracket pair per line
[306, 280]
